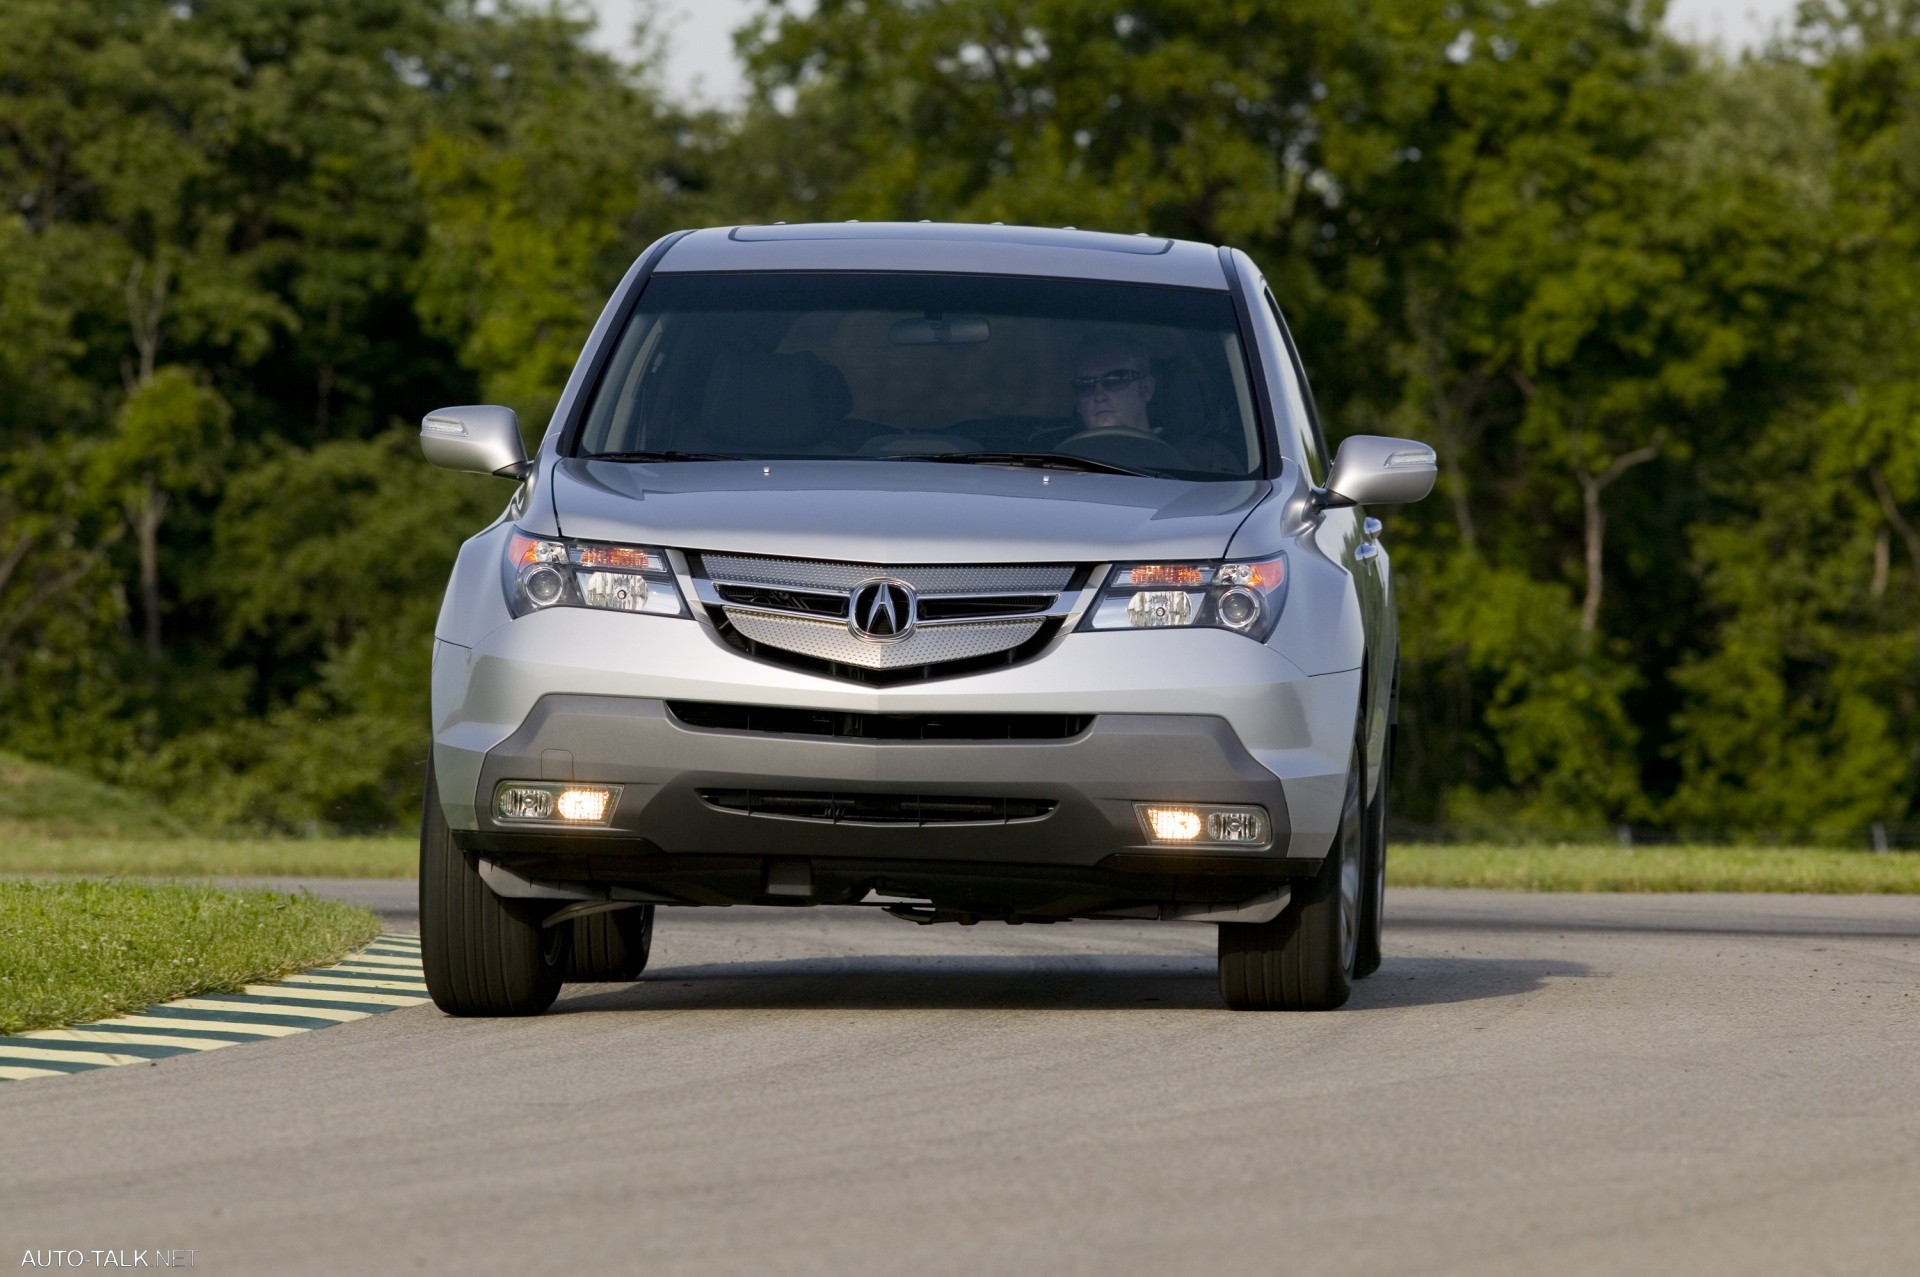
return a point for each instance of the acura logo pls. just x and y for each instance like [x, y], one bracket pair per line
[881, 611]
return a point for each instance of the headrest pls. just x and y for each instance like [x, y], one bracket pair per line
[757, 400]
[1179, 404]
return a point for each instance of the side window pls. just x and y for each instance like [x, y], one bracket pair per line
[1300, 415]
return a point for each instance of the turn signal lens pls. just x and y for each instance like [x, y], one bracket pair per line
[631, 558]
[1270, 575]
[1166, 574]
[523, 549]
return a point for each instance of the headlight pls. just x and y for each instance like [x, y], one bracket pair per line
[544, 572]
[1244, 597]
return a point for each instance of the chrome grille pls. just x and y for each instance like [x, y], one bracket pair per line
[801, 608]
[939, 578]
[833, 641]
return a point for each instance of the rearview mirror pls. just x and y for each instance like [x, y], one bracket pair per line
[941, 330]
[479, 438]
[1378, 470]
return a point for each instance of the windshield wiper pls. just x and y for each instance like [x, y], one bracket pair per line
[1041, 460]
[667, 455]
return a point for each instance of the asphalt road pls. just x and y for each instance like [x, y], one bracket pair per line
[1533, 1084]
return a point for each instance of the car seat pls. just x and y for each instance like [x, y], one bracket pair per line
[783, 404]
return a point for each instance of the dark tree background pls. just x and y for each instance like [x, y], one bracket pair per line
[1656, 310]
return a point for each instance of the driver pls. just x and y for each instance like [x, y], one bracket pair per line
[1111, 384]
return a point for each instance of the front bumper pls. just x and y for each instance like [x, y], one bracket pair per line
[670, 774]
[1178, 716]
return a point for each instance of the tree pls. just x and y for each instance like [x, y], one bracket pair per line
[170, 437]
[542, 183]
[1802, 707]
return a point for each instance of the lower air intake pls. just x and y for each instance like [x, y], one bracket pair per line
[877, 809]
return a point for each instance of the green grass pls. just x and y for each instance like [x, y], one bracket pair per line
[71, 952]
[1603, 868]
[192, 857]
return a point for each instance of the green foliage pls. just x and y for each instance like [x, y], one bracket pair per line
[1654, 309]
[331, 560]
[540, 193]
[248, 242]
[41, 802]
[1558, 751]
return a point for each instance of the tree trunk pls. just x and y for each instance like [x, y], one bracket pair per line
[1596, 541]
[323, 401]
[1455, 477]
[145, 515]
[1591, 488]
[1897, 520]
[146, 307]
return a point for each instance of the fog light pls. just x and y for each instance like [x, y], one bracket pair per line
[518, 800]
[1237, 824]
[585, 805]
[1206, 825]
[523, 802]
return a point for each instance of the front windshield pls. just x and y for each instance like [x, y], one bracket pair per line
[780, 365]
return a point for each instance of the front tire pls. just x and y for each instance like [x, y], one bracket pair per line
[1304, 959]
[481, 956]
[606, 947]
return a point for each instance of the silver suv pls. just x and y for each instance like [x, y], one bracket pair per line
[969, 573]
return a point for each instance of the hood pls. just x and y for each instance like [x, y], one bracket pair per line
[899, 511]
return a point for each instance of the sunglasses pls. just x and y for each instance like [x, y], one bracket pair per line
[1112, 382]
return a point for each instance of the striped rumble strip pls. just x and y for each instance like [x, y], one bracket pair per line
[381, 977]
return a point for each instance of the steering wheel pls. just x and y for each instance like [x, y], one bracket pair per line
[1124, 446]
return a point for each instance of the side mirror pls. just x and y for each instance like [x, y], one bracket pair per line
[480, 438]
[1377, 470]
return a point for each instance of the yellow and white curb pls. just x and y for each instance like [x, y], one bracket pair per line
[384, 976]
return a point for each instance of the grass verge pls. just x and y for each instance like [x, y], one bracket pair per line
[71, 952]
[1600, 868]
[392, 857]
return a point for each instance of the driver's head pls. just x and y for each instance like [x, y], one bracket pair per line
[1111, 384]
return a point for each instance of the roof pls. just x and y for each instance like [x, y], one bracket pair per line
[949, 247]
